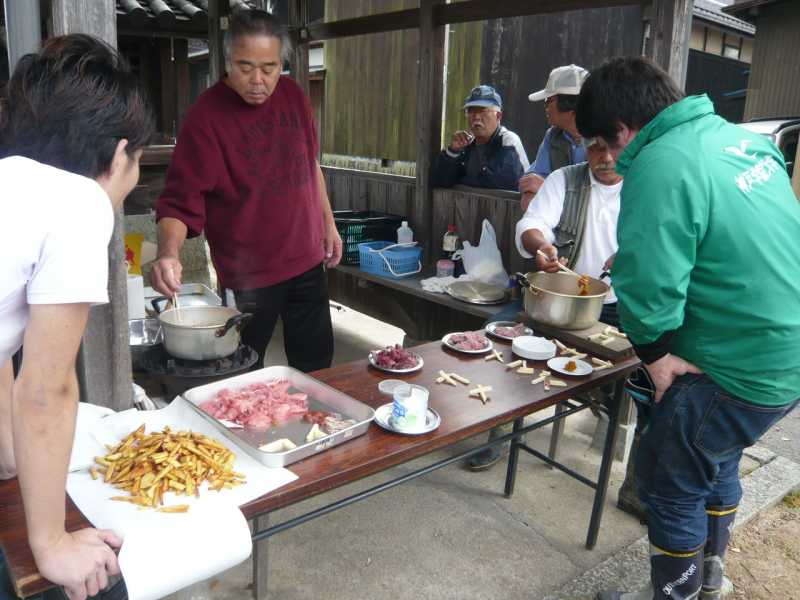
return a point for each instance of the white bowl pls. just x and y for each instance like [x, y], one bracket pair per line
[533, 348]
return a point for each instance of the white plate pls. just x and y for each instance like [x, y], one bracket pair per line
[375, 364]
[491, 328]
[446, 342]
[533, 348]
[383, 416]
[581, 367]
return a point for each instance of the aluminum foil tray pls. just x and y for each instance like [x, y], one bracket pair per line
[320, 397]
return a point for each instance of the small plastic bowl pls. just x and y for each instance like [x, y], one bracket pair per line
[533, 348]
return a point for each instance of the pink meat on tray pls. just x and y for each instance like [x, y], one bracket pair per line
[259, 405]
[511, 332]
[469, 340]
[395, 357]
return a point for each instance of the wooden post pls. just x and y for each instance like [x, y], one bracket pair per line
[298, 61]
[23, 30]
[104, 361]
[218, 11]
[668, 25]
[429, 120]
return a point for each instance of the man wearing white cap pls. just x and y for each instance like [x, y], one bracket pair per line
[561, 145]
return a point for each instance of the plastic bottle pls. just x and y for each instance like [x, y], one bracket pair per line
[405, 234]
[450, 242]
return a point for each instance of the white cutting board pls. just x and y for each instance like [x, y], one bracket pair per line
[165, 552]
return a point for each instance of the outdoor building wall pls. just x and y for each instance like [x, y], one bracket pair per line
[698, 36]
[714, 41]
[747, 50]
[775, 76]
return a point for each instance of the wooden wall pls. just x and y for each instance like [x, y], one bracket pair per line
[519, 54]
[363, 190]
[467, 207]
[370, 87]
[775, 70]
[371, 81]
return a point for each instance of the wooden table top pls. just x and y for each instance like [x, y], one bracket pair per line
[377, 450]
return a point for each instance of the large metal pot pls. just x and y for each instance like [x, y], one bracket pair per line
[552, 298]
[202, 332]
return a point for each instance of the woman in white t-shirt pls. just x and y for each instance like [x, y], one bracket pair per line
[73, 123]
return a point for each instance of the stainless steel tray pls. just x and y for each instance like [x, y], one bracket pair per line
[475, 292]
[191, 294]
[144, 332]
[320, 397]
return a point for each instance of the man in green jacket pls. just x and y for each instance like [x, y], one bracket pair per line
[706, 278]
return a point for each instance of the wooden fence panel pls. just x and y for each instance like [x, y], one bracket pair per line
[466, 208]
[365, 190]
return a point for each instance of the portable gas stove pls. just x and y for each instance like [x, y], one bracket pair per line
[176, 375]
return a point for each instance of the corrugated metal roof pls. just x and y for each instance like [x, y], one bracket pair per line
[712, 11]
[742, 8]
[166, 13]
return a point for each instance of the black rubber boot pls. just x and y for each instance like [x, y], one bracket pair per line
[720, 525]
[488, 458]
[673, 576]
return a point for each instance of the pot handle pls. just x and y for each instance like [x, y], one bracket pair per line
[154, 303]
[526, 283]
[238, 321]
[604, 274]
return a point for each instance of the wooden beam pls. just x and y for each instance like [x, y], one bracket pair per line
[298, 61]
[429, 120]
[479, 10]
[104, 361]
[668, 25]
[459, 12]
[390, 21]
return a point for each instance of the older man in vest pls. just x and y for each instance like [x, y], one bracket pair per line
[573, 222]
[561, 145]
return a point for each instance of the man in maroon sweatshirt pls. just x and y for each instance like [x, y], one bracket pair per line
[245, 171]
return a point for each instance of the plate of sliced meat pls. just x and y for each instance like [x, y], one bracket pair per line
[469, 342]
[396, 359]
[507, 330]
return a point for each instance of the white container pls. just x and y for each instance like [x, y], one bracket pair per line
[136, 297]
[405, 235]
[410, 407]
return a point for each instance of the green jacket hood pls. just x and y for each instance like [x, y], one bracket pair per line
[683, 111]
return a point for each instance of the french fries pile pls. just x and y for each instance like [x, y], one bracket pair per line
[149, 465]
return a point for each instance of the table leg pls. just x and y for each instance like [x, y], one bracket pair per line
[260, 562]
[513, 456]
[558, 430]
[605, 464]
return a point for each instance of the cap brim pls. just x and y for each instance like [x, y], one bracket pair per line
[482, 103]
[540, 95]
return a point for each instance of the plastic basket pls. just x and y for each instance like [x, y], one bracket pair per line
[358, 226]
[390, 260]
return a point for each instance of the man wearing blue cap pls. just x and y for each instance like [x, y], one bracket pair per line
[487, 155]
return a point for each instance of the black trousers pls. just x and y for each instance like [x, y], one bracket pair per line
[303, 306]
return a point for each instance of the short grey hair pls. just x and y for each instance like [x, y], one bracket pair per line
[254, 22]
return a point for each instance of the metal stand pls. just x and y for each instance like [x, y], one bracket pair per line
[566, 408]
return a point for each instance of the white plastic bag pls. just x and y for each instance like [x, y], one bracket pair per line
[484, 262]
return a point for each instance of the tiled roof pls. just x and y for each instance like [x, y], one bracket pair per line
[709, 10]
[166, 13]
